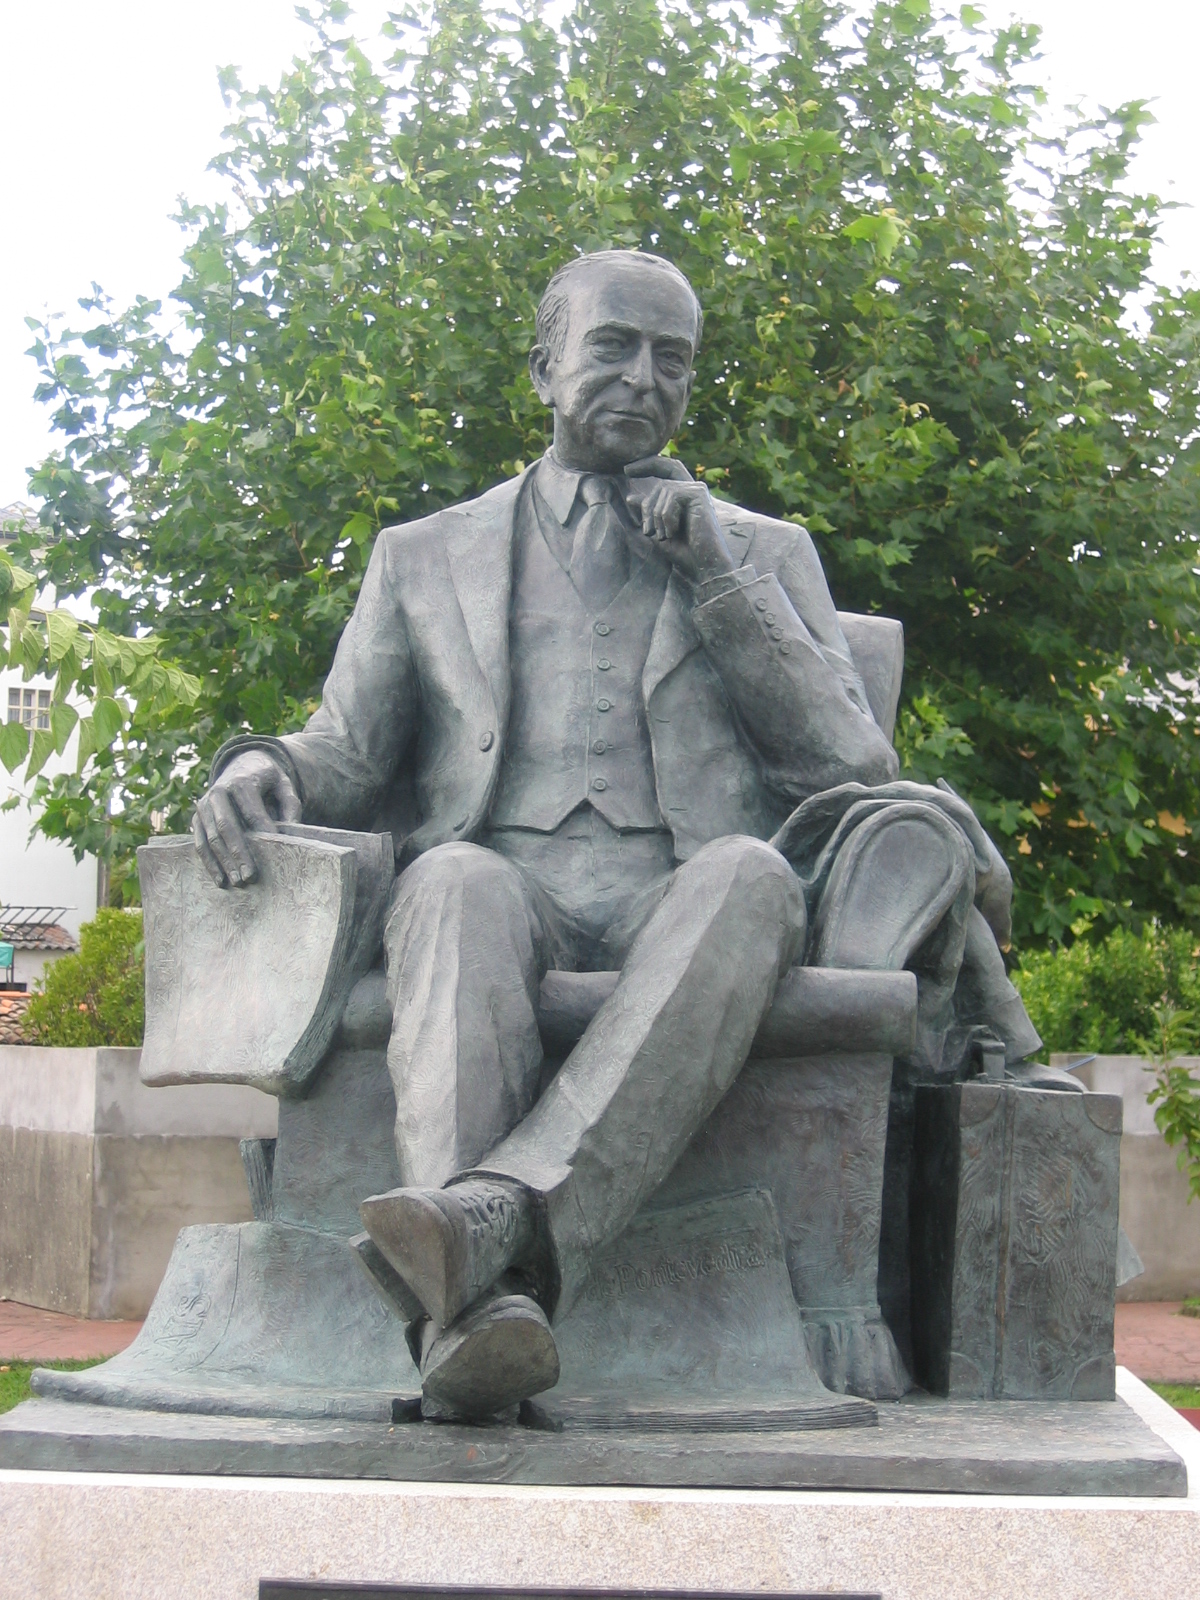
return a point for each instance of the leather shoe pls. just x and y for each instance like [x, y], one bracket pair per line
[499, 1352]
[450, 1245]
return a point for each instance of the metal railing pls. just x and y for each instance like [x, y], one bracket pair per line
[16, 919]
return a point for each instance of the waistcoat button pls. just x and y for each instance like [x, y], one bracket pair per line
[487, 740]
[604, 664]
[761, 605]
[777, 633]
[603, 705]
[600, 747]
[599, 784]
[603, 629]
[769, 618]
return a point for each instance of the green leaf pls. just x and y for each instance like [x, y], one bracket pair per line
[63, 721]
[887, 238]
[41, 748]
[87, 744]
[14, 745]
[883, 231]
[61, 631]
[13, 579]
[359, 528]
[106, 722]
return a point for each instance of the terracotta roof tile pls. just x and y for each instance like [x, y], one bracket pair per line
[12, 1016]
[38, 936]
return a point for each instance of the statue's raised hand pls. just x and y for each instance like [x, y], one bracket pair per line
[251, 796]
[677, 514]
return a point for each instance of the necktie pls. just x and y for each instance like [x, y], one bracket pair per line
[600, 554]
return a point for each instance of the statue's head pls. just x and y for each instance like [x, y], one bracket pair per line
[616, 335]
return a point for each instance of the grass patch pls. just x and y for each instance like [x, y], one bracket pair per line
[1183, 1396]
[1191, 1306]
[14, 1377]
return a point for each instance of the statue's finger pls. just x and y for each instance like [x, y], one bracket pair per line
[290, 809]
[235, 857]
[248, 798]
[215, 870]
[220, 851]
[647, 503]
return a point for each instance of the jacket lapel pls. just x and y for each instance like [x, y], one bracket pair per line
[479, 545]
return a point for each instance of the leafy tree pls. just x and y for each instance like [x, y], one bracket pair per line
[917, 340]
[97, 995]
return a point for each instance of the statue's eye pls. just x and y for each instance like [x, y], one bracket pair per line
[672, 363]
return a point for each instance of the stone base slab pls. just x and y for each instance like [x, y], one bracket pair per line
[921, 1444]
[94, 1536]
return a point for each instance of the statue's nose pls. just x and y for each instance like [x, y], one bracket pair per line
[639, 370]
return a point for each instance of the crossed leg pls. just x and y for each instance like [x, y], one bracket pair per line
[467, 947]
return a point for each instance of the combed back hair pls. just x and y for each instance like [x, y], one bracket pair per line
[554, 309]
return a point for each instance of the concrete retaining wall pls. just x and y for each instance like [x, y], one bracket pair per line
[1163, 1227]
[99, 1173]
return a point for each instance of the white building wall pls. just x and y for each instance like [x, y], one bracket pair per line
[40, 871]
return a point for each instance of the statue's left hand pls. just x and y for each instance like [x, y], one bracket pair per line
[677, 514]
[253, 793]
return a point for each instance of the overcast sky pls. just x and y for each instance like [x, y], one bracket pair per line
[110, 110]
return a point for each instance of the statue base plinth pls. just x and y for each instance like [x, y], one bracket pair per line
[920, 1444]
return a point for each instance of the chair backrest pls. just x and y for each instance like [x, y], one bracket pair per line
[877, 650]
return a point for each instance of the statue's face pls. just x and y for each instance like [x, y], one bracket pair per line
[621, 385]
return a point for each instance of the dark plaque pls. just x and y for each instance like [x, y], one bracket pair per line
[284, 1590]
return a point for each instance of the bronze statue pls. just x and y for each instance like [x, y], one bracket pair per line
[612, 724]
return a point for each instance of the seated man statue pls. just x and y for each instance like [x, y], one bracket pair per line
[583, 703]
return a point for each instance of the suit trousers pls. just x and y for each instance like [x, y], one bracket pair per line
[701, 948]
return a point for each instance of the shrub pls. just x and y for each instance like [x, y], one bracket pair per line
[1120, 995]
[98, 995]
[1135, 994]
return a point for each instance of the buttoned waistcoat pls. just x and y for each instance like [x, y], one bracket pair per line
[752, 700]
[577, 726]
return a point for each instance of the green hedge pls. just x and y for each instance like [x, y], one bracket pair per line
[1116, 997]
[98, 995]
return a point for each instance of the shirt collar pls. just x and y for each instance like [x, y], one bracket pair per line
[558, 486]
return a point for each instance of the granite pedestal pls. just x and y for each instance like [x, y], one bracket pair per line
[88, 1535]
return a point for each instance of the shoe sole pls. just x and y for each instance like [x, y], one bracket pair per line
[495, 1355]
[418, 1239]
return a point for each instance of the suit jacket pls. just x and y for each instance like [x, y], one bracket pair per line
[752, 699]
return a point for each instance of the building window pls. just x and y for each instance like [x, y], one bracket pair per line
[30, 706]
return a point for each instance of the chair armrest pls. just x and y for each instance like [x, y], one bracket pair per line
[816, 1011]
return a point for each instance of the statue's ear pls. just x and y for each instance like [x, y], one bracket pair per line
[539, 372]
